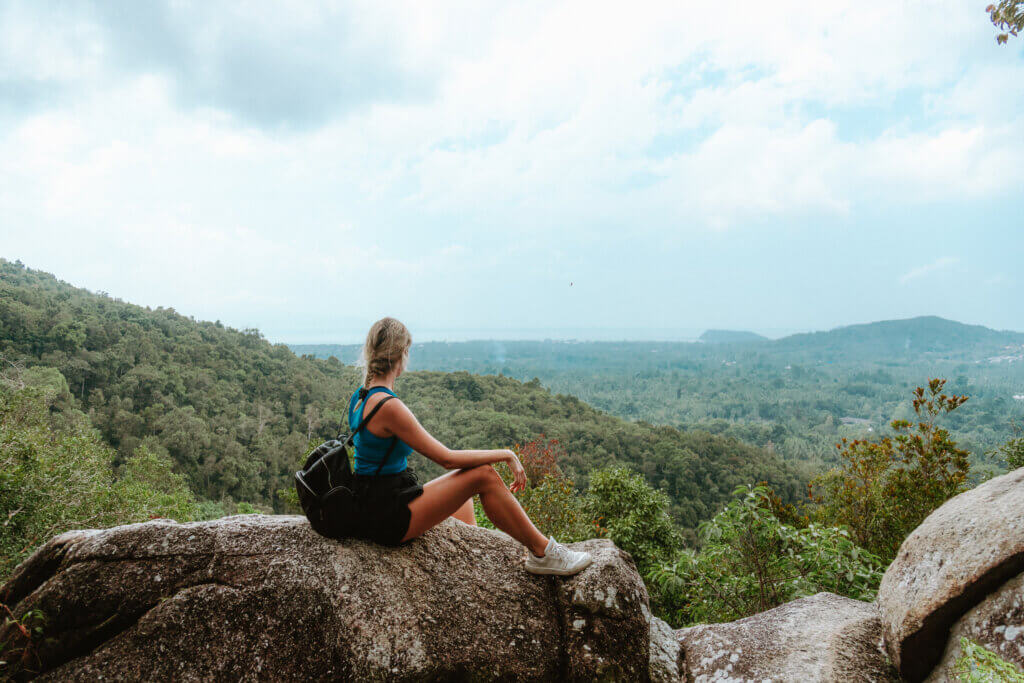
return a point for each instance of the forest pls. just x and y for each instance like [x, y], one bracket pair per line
[795, 396]
[235, 413]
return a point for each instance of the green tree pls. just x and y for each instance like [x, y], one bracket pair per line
[1008, 17]
[883, 490]
[59, 477]
[635, 515]
[1012, 452]
[750, 562]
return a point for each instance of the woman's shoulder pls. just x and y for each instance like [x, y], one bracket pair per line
[389, 399]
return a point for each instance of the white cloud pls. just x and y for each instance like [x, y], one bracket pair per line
[485, 132]
[564, 110]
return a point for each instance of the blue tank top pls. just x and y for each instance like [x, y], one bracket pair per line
[370, 448]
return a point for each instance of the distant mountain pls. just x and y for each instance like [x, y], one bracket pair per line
[730, 337]
[910, 336]
[922, 338]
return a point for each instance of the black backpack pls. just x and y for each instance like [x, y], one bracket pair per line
[327, 486]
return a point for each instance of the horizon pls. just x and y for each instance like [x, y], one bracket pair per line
[687, 336]
[544, 169]
[577, 335]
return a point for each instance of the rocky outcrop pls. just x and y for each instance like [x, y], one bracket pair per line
[961, 573]
[964, 551]
[996, 624]
[258, 597]
[667, 664]
[823, 638]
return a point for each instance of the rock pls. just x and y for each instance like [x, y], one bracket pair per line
[666, 666]
[963, 551]
[997, 623]
[257, 597]
[823, 638]
[604, 607]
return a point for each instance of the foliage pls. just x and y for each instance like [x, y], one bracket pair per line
[56, 475]
[234, 412]
[794, 397]
[540, 457]
[19, 641]
[1012, 452]
[751, 562]
[1008, 17]
[550, 498]
[977, 664]
[883, 490]
[635, 515]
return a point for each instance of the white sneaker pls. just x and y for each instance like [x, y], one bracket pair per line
[557, 560]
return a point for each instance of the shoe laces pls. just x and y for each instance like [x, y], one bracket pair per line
[560, 551]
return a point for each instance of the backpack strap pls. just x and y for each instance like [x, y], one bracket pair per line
[394, 441]
[363, 392]
[367, 418]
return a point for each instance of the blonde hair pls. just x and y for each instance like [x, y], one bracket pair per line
[387, 344]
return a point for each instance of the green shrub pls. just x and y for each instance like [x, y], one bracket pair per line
[751, 562]
[211, 509]
[550, 499]
[56, 474]
[1012, 452]
[883, 490]
[977, 664]
[634, 514]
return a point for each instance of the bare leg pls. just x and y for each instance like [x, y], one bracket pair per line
[444, 496]
[466, 513]
[463, 514]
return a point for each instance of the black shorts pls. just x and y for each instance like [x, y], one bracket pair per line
[385, 504]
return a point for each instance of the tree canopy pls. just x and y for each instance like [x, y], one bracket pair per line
[235, 413]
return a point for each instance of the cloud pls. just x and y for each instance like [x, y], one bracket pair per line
[922, 271]
[267, 64]
[480, 151]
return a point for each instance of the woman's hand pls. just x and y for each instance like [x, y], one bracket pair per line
[518, 473]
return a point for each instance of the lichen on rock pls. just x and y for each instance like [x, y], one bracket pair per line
[257, 597]
[962, 552]
[819, 639]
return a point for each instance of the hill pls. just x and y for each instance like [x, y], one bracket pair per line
[730, 337]
[796, 396]
[235, 412]
[912, 336]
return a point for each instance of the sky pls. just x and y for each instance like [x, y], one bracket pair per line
[515, 170]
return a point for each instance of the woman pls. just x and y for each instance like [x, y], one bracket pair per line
[398, 508]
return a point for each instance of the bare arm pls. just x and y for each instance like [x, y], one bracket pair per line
[402, 423]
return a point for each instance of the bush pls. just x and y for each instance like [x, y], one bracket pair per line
[55, 479]
[634, 514]
[883, 490]
[977, 664]
[1012, 452]
[550, 499]
[750, 562]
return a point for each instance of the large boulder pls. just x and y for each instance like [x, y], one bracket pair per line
[824, 638]
[961, 553]
[257, 597]
[997, 623]
[667, 664]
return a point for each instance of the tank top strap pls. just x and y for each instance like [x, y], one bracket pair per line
[360, 396]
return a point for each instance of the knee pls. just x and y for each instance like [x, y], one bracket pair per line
[486, 476]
